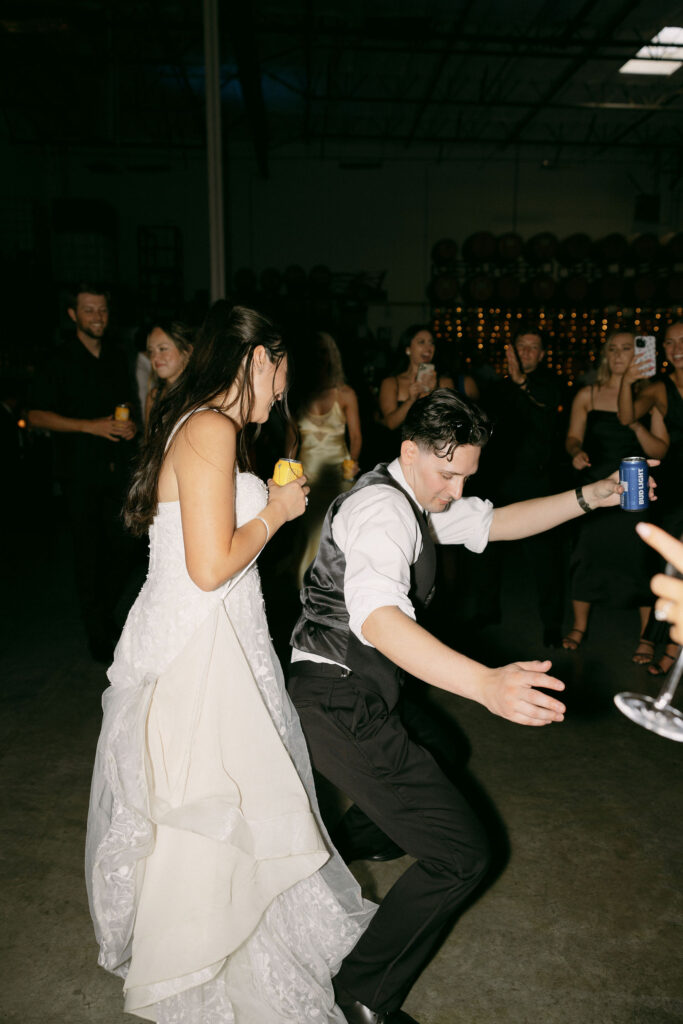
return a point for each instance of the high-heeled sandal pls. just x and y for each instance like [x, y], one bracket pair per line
[643, 657]
[663, 666]
[568, 641]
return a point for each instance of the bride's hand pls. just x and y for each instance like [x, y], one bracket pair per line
[289, 499]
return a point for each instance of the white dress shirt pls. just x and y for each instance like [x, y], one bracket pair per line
[380, 538]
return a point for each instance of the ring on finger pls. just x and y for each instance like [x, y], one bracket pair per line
[663, 610]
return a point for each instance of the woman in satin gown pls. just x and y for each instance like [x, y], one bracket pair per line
[327, 413]
[213, 887]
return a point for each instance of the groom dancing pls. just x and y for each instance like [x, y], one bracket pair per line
[356, 637]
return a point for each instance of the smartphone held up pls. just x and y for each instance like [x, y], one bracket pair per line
[425, 374]
[645, 354]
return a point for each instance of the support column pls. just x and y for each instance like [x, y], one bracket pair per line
[212, 79]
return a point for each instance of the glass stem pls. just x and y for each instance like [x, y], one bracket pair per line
[668, 690]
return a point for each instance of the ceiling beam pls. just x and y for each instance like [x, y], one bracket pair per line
[479, 104]
[635, 125]
[440, 140]
[577, 62]
[456, 30]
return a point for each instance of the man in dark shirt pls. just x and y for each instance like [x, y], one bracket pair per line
[526, 459]
[75, 396]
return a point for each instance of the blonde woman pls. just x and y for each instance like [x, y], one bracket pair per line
[329, 434]
[608, 563]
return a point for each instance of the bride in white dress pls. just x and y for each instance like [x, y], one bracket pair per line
[213, 886]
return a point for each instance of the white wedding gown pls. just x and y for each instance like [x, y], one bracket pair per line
[213, 887]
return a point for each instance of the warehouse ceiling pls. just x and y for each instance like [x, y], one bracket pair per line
[438, 81]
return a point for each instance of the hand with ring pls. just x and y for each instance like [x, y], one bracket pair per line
[669, 589]
[291, 498]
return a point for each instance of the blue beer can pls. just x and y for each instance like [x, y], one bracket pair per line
[633, 477]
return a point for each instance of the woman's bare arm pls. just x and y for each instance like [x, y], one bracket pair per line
[655, 441]
[394, 414]
[349, 406]
[471, 389]
[203, 460]
[577, 430]
[629, 407]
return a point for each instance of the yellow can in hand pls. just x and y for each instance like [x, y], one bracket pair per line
[122, 411]
[287, 470]
[348, 469]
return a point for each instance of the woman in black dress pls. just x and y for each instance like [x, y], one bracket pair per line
[609, 564]
[663, 399]
[397, 394]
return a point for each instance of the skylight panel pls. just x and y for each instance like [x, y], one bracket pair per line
[663, 55]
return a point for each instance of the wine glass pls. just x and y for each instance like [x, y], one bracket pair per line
[657, 713]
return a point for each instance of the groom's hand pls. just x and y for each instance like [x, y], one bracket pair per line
[511, 692]
[604, 493]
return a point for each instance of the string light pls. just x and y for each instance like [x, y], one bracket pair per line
[576, 334]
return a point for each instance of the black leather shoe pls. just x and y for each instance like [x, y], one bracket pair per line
[388, 852]
[358, 1013]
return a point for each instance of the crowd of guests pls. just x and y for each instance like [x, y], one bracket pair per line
[546, 435]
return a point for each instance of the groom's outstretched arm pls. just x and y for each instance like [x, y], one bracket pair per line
[525, 518]
[508, 691]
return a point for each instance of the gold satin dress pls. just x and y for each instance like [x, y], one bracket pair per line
[322, 451]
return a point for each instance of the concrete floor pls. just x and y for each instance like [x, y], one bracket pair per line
[581, 926]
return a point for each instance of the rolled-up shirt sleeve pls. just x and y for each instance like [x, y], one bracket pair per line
[467, 522]
[380, 537]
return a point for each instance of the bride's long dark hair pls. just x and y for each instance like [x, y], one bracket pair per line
[222, 355]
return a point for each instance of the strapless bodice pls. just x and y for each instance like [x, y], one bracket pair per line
[170, 605]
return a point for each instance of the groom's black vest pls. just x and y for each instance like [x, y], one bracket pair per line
[323, 627]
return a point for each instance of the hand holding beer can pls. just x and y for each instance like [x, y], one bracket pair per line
[287, 470]
[633, 477]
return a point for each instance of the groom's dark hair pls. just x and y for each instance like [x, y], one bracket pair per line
[444, 420]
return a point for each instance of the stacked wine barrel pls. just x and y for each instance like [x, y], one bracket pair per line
[546, 273]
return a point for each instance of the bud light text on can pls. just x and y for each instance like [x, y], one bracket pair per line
[633, 477]
[287, 470]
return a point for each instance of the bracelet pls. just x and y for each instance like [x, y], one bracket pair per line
[266, 526]
[583, 504]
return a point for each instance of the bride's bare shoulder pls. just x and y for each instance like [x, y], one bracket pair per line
[206, 432]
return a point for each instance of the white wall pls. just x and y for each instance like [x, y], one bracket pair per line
[312, 210]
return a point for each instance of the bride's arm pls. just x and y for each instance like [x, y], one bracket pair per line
[203, 459]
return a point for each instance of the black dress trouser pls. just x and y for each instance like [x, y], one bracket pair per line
[363, 748]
